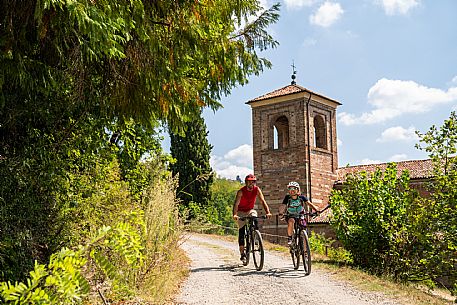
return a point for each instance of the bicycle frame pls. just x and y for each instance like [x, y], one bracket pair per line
[300, 249]
[253, 242]
[300, 242]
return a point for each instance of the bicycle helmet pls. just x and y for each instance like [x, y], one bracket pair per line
[250, 177]
[294, 184]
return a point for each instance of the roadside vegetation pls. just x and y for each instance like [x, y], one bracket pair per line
[91, 208]
[391, 231]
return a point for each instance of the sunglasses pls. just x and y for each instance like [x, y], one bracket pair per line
[292, 188]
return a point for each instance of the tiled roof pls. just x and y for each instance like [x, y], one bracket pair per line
[289, 89]
[417, 169]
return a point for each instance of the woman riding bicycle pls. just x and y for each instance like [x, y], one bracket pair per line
[244, 206]
[293, 206]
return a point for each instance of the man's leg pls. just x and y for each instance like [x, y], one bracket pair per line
[241, 232]
[241, 243]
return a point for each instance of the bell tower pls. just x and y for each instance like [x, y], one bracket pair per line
[294, 139]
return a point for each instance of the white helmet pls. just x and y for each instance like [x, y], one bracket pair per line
[294, 184]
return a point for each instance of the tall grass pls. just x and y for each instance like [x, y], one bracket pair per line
[165, 264]
[133, 258]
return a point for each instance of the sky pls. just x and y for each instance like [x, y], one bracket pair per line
[392, 64]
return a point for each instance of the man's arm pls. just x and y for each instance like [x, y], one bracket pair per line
[235, 205]
[264, 203]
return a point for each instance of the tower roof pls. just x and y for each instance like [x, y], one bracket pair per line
[287, 90]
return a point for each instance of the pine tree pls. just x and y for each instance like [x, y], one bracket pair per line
[192, 153]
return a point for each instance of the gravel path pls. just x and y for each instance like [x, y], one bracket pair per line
[218, 277]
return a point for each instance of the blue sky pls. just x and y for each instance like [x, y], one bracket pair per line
[391, 63]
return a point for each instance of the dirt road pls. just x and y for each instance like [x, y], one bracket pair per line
[218, 277]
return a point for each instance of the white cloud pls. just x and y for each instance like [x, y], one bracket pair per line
[398, 158]
[297, 4]
[398, 7]
[241, 155]
[339, 142]
[367, 161]
[237, 161]
[327, 14]
[398, 133]
[392, 98]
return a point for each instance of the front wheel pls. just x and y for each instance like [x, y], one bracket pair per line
[247, 247]
[305, 252]
[257, 250]
[295, 251]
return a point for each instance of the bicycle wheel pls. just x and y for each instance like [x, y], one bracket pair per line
[247, 247]
[295, 251]
[257, 250]
[305, 252]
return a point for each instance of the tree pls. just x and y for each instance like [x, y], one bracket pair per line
[223, 193]
[441, 216]
[75, 73]
[135, 59]
[192, 153]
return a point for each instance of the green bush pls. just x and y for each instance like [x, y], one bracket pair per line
[370, 216]
[117, 262]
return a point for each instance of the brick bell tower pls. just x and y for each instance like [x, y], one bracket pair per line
[294, 139]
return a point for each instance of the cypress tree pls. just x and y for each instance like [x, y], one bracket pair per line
[192, 154]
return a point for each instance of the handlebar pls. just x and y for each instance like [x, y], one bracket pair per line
[252, 217]
[312, 214]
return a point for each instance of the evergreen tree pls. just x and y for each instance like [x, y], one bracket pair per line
[192, 153]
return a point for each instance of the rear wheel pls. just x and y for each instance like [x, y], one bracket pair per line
[305, 252]
[295, 251]
[257, 250]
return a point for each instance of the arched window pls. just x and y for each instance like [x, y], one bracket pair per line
[320, 134]
[281, 133]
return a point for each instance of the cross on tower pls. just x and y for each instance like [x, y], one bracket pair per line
[293, 74]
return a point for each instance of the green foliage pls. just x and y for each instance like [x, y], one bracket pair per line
[44, 182]
[131, 59]
[223, 192]
[60, 282]
[440, 215]
[389, 230]
[217, 217]
[192, 153]
[370, 218]
[84, 86]
[115, 261]
[322, 245]
[137, 144]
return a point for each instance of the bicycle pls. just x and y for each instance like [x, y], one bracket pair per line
[253, 242]
[300, 242]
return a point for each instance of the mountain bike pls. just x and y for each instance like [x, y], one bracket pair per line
[300, 249]
[253, 242]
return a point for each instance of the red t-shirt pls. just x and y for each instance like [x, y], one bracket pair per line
[248, 198]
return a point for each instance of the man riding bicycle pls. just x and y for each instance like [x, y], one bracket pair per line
[244, 206]
[293, 206]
